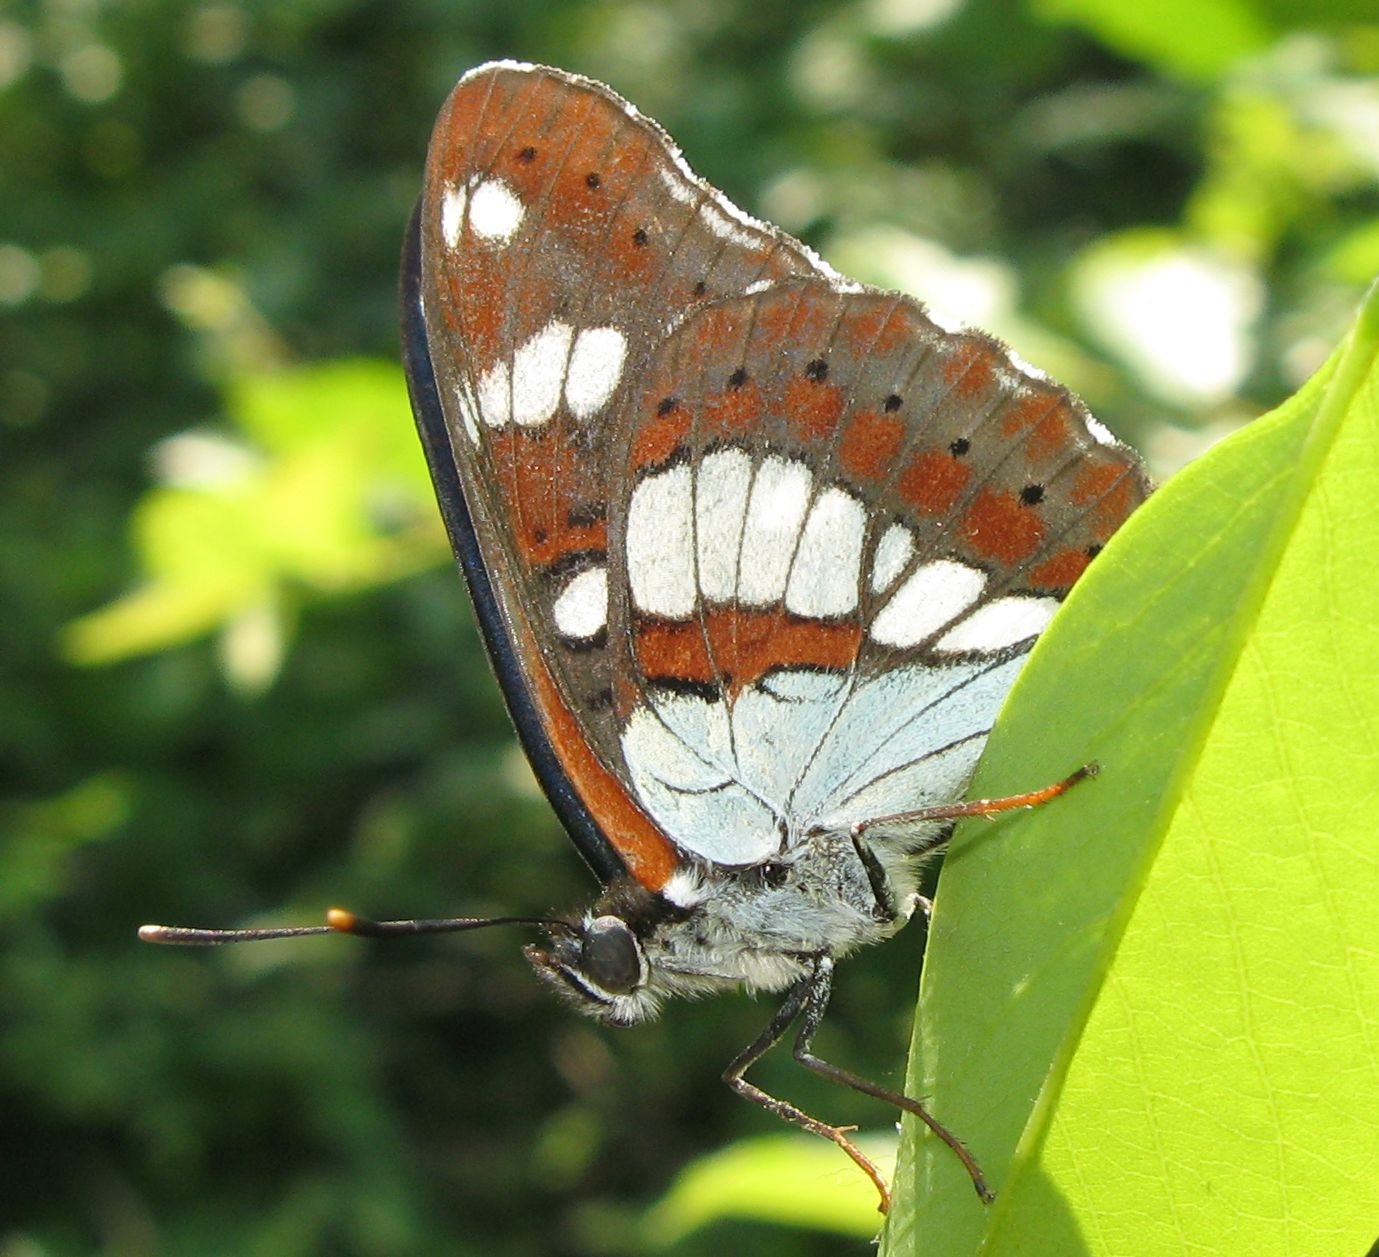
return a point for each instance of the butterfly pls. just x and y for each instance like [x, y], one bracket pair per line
[757, 552]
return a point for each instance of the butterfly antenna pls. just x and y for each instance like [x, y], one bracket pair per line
[340, 921]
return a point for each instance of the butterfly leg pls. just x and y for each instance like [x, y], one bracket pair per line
[803, 995]
[816, 992]
[886, 906]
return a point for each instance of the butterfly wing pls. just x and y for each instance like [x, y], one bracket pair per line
[840, 529]
[558, 239]
[755, 550]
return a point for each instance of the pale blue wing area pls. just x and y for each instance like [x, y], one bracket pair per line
[735, 782]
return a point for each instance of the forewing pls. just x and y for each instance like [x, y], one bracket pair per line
[560, 238]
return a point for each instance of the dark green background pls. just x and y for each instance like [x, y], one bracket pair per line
[195, 198]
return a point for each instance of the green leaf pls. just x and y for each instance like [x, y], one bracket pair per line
[1151, 1007]
[786, 1180]
[1200, 39]
[332, 496]
[1192, 38]
[295, 409]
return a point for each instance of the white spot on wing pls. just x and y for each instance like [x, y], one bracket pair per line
[538, 369]
[999, 624]
[720, 503]
[452, 214]
[893, 552]
[775, 512]
[495, 395]
[495, 211]
[581, 610]
[594, 370]
[825, 575]
[660, 545]
[930, 597]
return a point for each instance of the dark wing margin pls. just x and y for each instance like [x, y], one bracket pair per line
[579, 823]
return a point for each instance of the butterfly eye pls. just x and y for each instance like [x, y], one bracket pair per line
[610, 956]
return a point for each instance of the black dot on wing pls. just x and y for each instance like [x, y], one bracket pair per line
[700, 288]
[639, 237]
[960, 447]
[593, 179]
[526, 154]
[1032, 494]
[817, 369]
[892, 403]
[666, 405]
[738, 378]
[539, 535]
[1094, 549]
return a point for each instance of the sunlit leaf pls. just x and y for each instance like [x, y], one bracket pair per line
[1194, 38]
[151, 618]
[1150, 1007]
[330, 495]
[789, 1180]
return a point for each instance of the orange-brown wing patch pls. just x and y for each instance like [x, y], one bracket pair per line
[1002, 527]
[933, 481]
[1061, 570]
[870, 444]
[735, 647]
[647, 852]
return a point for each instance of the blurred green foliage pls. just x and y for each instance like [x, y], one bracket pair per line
[239, 676]
[326, 491]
